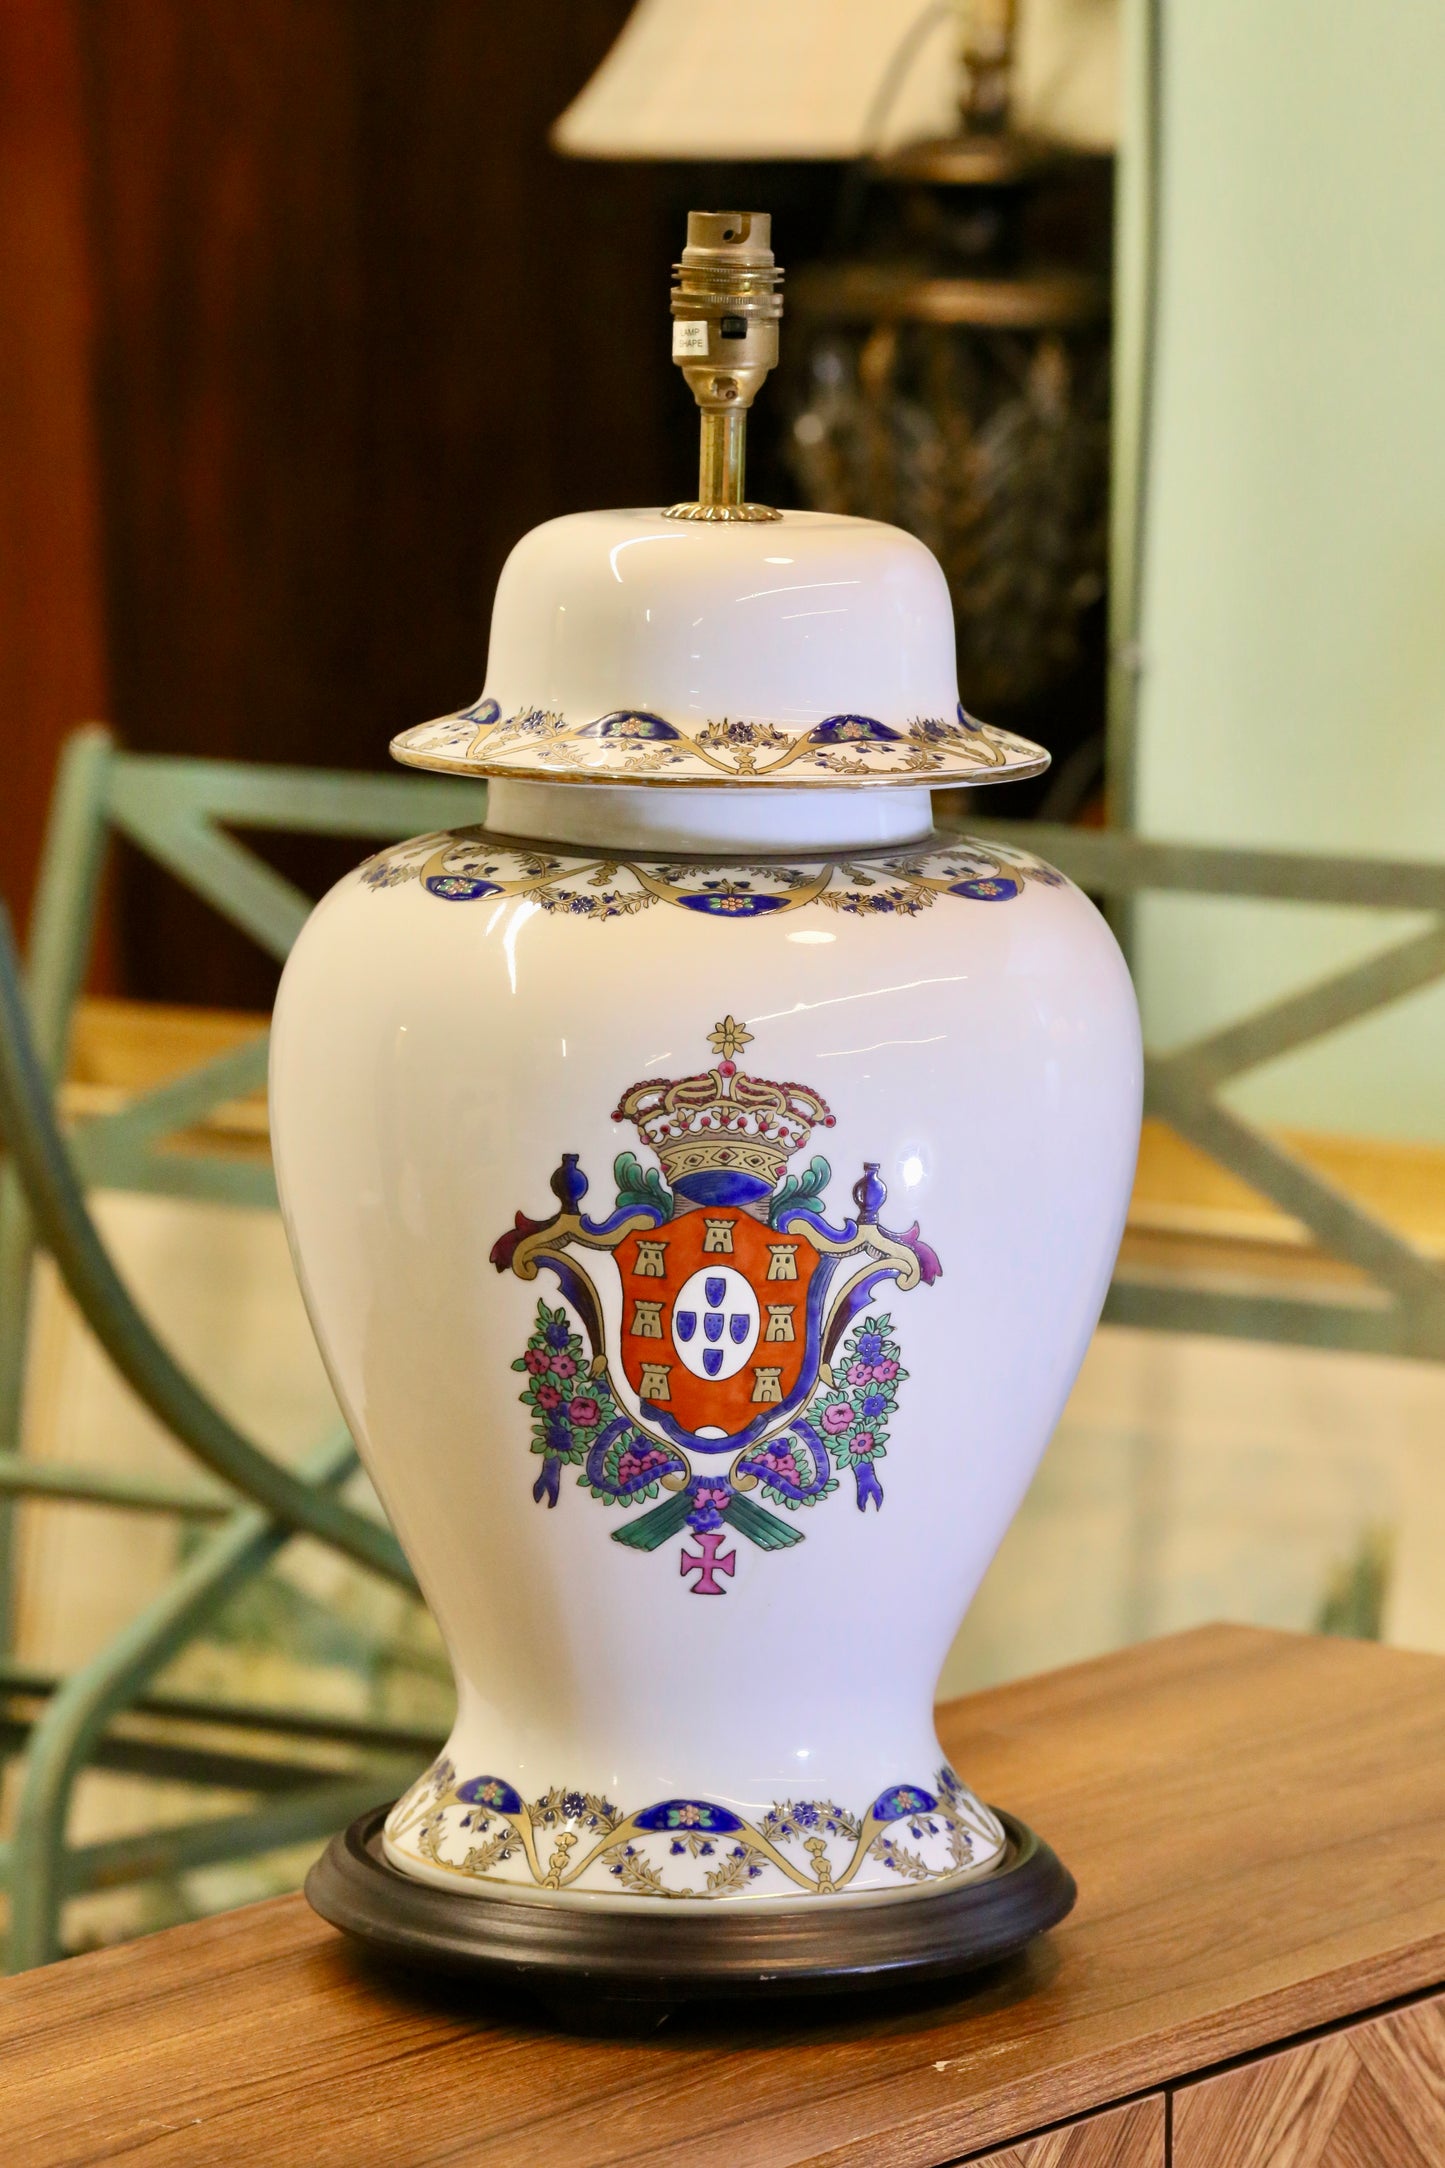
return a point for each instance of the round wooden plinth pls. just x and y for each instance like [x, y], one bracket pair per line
[599, 1957]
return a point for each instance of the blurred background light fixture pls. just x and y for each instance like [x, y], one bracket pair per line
[832, 78]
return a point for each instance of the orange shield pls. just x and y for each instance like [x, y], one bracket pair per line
[720, 1321]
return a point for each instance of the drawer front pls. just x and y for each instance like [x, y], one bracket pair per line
[1371, 2093]
[1130, 2137]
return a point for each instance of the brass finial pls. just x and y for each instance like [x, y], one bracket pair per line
[725, 311]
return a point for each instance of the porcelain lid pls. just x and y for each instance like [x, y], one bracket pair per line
[809, 650]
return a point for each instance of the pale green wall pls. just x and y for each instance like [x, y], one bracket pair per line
[1293, 687]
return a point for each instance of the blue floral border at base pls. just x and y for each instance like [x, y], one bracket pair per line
[815, 1846]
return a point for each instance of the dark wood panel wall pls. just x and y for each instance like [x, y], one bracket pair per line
[304, 303]
[301, 326]
[52, 645]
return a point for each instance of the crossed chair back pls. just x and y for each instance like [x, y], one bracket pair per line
[1393, 1302]
[180, 813]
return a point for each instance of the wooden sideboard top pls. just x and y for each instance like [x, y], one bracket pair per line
[1256, 1821]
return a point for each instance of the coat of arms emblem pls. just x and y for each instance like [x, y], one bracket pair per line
[752, 1365]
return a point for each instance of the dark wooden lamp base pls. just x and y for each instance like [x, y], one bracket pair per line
[598, 1960]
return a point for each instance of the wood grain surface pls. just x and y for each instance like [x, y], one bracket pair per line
[1128, 2137]
[1369, 2096]
[1256, 1822]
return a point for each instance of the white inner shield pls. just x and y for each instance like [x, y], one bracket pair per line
[738, 1307]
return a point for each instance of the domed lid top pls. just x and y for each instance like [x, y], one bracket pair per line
[634, 647]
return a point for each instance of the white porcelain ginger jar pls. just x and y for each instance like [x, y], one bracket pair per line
[704, 1180]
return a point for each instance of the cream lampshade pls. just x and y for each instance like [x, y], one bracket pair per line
[832, 78]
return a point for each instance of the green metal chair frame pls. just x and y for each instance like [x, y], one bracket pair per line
[1401, 1308]
[174, 810]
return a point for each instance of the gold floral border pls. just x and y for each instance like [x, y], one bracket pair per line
[466, 864]
[564, 1834]
[539, 745]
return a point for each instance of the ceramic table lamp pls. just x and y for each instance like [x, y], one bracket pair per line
[704, 1180]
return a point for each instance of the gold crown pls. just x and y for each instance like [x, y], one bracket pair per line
[723, 1123]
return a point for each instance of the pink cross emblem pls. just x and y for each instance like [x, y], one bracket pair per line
[708, 1565]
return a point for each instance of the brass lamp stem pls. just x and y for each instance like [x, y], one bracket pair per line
[725, 311]
[722, 459]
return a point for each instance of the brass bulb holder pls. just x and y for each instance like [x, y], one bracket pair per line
[725, 312]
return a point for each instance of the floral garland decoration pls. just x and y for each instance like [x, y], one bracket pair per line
[854, 1414]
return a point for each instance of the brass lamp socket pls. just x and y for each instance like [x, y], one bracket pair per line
[725, 312]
